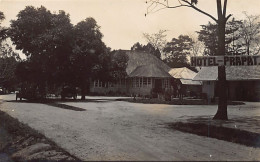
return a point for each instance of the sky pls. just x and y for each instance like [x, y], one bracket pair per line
[123, 22]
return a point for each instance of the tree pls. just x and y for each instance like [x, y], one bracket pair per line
[3, 30]
[45, 39]
[137, 47]
[221, 22]
[8, 59]
[209, 36]
[149, 48]
[8, 63]
[88, 47]
[250, 33]
[197, 45]
[118, 67]
[177, 51]
[157, 40]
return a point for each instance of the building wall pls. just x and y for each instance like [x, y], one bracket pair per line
[104, 88]
[244, 90]
[237, 90]
[257, 90]
[130, 86]
[208, 87]
[193, 90]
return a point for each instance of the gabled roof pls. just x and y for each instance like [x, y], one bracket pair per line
[233, 73]
[138, 58]
[182, 73]
[151, 70]
[185, 75]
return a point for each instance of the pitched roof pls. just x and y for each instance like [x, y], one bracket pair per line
[151, 70]
[182, 73]
[185, 75]
[137, 58]
[233, 73]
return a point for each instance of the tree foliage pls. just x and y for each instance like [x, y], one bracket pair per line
[3, 30]
[8, 63]
[157, 41]
[209, 36]
[146, 48]
[88, 49]
[119, 60]
[177, 51]
[250, 34]
[45, 39]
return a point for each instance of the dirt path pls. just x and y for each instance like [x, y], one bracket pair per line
[127, 131]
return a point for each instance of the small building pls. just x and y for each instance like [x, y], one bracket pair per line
[146, 78]
[185, 79]
[145, 73]
[243, 82]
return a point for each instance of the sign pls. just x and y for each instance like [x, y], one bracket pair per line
[225, 61]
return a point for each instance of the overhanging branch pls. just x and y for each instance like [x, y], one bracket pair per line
[182, 3]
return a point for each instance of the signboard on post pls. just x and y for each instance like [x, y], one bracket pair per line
[225, 61]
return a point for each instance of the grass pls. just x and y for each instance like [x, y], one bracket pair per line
[176, 101]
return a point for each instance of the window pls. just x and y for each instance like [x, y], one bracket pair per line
[133, 82]
[99, 84]
[166, 83]
[145, 82]
[149, 81]
[137, 82]
[95, 83]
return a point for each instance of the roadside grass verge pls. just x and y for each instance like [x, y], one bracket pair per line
[222, 133]
[176, 101]
[20, 139]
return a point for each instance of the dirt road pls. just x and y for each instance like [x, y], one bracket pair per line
[117, 130]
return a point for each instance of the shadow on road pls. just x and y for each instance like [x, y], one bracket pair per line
[216, 129]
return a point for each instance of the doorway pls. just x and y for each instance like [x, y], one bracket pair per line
[158, 85]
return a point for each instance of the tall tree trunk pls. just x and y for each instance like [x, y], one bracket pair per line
[83, 90]
[222, 105]
[248, 49]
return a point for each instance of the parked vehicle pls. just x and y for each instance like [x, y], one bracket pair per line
[69, 92]
[29, 94]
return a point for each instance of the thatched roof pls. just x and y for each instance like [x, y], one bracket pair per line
[182, 73]
[185, 75]
[233, 73]
[151, 70]
[137, 58]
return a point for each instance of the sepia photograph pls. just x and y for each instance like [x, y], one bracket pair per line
[129, 80]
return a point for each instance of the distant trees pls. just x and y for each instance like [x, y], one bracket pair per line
[241, 36]
[157, 41]
[250, 34]
[208, 35]
[177, 51]
[149, 48]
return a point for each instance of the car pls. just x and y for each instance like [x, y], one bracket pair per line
[69, 92]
